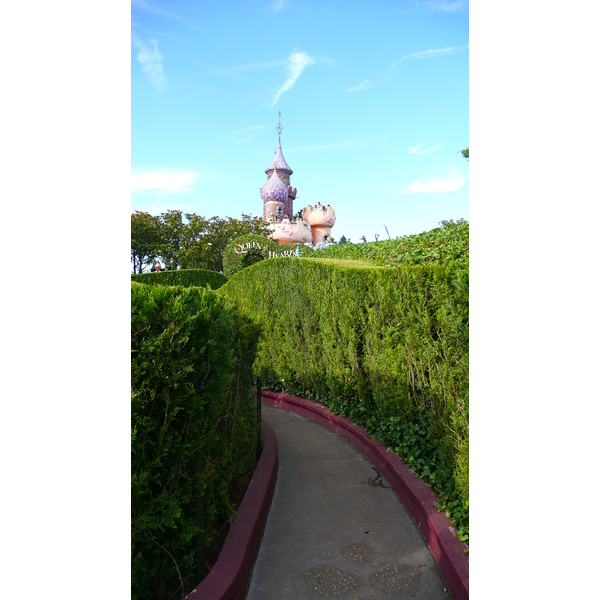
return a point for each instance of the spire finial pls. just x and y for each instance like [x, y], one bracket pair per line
[279, 129]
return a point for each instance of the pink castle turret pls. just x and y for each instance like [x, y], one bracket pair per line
[321, 219]
[278, 206]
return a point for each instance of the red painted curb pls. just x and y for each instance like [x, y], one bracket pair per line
[415, 494]
[228, 579]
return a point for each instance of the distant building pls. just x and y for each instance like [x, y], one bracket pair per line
[311, 225]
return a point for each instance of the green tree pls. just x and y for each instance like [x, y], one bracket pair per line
[189, 240]
[217, 232]
[194, 249]
[172, 228]
[145, 240]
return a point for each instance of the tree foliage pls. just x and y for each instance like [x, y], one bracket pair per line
[191, 241]
[145, 240]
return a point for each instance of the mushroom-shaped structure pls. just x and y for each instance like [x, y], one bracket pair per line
[321, 219]
[274, 192]
[280, 168]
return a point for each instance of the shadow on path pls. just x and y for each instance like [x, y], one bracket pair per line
[335, 526]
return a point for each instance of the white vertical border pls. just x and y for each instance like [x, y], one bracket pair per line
[65, 441]
[534, 130]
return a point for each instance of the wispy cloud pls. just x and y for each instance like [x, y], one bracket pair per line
[365, 85]
[151, 61]
[431, 53]
[446, 5]
[297, 62]
[250, 133]
[151, 8]
[174, 182]
[234, 71]
[418, 150]
[451, 183]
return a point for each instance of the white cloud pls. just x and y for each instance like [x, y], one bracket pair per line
[233, 71]
[431, 53]
[451, 183]
[365, 85]
[175, 182]
[418, 150]
[446, 5]
[297, 62]
[145, 6]
[151, 61]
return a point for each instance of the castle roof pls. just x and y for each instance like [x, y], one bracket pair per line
[279, 162]
[274, 189]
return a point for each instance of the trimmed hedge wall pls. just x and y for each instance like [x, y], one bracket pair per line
[193, 429]
[442, 245]
[184, 277]
[388, 347]
[256, 249]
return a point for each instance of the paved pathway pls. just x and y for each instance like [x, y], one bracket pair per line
[335, 527]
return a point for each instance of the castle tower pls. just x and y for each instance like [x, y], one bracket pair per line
[280, 168]
[321, 219]
[311, 225]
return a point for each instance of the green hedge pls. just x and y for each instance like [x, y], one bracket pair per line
[388, 347]
[442, 245]
[249, 249]
[190, 378]
[184, 277]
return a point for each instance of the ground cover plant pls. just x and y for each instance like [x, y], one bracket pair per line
[183, 277]
[193, 432]
[387, 347]
[445, 244]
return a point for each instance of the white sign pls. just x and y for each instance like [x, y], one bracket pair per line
[243, 248]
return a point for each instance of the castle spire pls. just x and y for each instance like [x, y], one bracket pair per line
[278, 160]
[279, 129]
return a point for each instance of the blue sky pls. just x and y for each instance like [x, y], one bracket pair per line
[374, 100]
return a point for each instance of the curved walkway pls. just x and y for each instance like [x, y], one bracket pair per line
[335, 526]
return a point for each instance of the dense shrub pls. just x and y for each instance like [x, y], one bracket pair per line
[249, 249]
[183, 277]
[193, 429]
[442, 245]
[388, 347]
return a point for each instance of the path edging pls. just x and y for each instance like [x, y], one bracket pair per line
[415, 494]
[228, 579]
